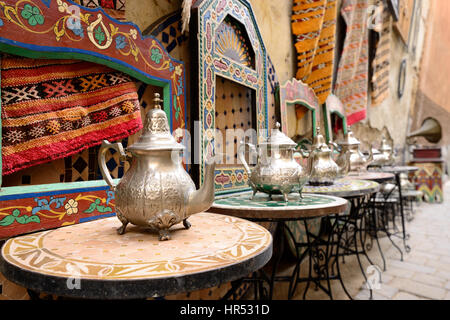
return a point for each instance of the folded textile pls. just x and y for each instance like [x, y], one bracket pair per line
[381, 62]
[55, 108]
[314, 27]
[352, 76]
[115, 8]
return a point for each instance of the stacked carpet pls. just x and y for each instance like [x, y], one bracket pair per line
[352, 76]
[115, 8]
[381, 64]
[314, 26]
[55, 108]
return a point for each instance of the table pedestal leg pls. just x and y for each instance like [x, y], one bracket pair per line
[402, 213]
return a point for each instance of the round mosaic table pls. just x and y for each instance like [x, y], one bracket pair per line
[396, 169]
[92, 261]
[261, 207]
[379, 177]
[309, 244]
[345, 188]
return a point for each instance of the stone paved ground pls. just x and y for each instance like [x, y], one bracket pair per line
[424, 273]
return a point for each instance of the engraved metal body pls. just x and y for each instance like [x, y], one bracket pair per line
[276, 171]
[321, 165]
[384, 156]
[358, 162]
[156, 191]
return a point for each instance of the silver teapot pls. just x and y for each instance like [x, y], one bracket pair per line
[276, 171]
[156, 191]
[358, 162]
[384, 156]
[321, 165]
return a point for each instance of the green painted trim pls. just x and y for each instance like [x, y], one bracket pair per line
[313, 110]
[327, 125]
[53, 187]
[327, 113]
[1, 164]
[344, 120]
[167, 97]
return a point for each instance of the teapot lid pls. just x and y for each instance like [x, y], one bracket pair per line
[319, 140]
[278, 138]
[156, 133]
[349, 139]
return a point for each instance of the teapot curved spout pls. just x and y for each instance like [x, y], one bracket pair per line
[202, 199]
[370, 159]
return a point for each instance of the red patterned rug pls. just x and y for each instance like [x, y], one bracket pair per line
[352, 82]
[55, 108]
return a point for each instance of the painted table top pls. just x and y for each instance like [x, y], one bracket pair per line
[261, 207]
[371, 175]
[345, 188]
[216, 249]
[398, 169]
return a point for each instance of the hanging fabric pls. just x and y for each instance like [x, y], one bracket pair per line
[352, 76]
[55, 108]
[114, 8]
[314, 28]
[381, 62]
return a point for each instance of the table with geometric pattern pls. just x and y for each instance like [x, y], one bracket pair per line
[379, 177]
[91, 261]
[345, 188]
[319, 251]
[354, 226]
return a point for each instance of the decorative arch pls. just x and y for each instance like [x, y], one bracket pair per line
[333, 105]
[210, 16]
[231, 40]
[296, 92]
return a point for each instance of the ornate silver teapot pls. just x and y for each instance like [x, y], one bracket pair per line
[358, 162]
[156, 191]
[321, 165]
[384, 156]
[276, 171]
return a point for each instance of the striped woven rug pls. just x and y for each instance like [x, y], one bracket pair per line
[55, 108]
[314, 26]
[352, 76]
[115, 8]
[381, 62]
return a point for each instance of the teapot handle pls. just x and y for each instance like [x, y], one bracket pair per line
[106, 145]
[241, 154]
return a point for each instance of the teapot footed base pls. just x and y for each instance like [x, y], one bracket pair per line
[186, 224]
[285, 196]
[164, 235]
[124, 221]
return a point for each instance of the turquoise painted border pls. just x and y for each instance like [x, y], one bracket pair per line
[265, 122]
[328, 126]
[21, 192]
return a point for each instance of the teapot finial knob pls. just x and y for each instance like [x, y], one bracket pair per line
[157, 100]
[318, 130]
[278, 125]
